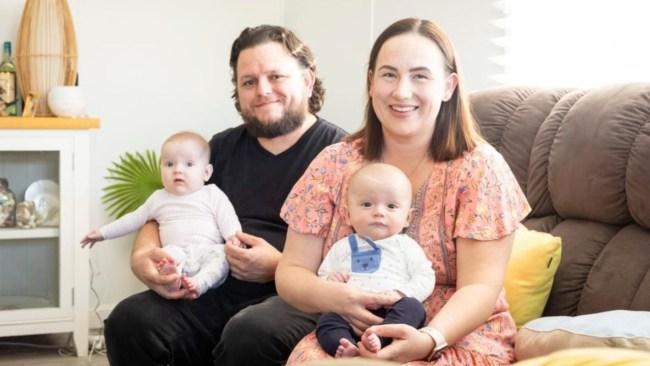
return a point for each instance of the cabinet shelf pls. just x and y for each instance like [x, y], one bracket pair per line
[23, 302]
[43, 272]
[48, 123]
[38, 232]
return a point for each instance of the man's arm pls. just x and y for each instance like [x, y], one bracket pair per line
[145, 255]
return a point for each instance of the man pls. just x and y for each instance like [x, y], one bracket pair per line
[242, 322]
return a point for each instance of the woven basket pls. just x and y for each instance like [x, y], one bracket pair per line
[46, 52]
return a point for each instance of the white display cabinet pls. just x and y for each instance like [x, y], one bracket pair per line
[43, 270]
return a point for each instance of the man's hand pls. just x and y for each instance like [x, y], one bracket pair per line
[145, 266]
[256, 262]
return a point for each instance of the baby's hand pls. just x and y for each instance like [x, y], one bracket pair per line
[91, 238]
[343, 277]
[235, 240]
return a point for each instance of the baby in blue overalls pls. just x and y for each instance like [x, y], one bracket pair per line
[377, 258]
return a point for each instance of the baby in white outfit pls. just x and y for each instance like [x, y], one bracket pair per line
[194, 219]
[377, 258]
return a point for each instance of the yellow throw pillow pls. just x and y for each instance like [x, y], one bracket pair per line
[591, 357]
[533, 262]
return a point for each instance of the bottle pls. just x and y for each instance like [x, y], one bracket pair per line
[8, 84]
[7, 205]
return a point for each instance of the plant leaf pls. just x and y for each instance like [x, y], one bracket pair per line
[134, 177]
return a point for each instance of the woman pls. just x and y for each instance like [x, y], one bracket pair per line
[467, 204]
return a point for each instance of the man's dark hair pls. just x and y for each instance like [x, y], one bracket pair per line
[251, 37]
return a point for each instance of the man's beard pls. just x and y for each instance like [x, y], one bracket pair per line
[289, 122]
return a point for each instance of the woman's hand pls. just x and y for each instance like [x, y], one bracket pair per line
[353, 306]
[298, 284]
[342, 277]
[408, 344]
[393, 296]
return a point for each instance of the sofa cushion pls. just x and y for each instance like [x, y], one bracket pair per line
[620, 277]
[637, 178]
[618, 328]
[581, 157]
[589, 157]
[533, 262]
[538, 193]
[583, 243]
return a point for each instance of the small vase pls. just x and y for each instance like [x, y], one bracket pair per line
[7, 205]
[66, 101]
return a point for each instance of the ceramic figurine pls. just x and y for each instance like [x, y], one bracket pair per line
[26, 215]
[7, 205]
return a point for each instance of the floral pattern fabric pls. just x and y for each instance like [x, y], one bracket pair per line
[474, 196]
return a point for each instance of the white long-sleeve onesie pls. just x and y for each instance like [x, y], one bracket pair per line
[193, 229]
[404, 266]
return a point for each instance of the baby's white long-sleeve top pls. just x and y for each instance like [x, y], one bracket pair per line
[404, 266]
[203, 217]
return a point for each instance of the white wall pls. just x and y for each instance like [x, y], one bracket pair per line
[341, 33]
[590, 44]
[470, 24]
[153, 67]
[150, 71]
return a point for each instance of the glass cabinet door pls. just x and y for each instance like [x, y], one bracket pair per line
[36, 248]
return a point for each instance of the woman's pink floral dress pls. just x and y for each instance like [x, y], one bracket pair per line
[475, 196]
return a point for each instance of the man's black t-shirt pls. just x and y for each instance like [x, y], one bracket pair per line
[257, 182]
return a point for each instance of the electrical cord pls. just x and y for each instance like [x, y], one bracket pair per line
[98, 347]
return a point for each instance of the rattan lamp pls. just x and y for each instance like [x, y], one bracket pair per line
[46, 53]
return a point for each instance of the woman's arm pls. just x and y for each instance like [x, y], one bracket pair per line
[146, 253]
[298, 284]
[481, 268]
[296, 273]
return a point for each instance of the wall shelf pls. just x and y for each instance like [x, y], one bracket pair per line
[48, 123]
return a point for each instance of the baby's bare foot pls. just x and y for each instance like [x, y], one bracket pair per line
[371, 341]
[166, 267]
[191, 285]
[346, 349]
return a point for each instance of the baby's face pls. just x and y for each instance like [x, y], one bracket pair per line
[378, 209]
[184, 167]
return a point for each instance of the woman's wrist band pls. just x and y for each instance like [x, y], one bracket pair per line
[439, 341]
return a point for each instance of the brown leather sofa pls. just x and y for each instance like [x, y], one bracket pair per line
[582, 157]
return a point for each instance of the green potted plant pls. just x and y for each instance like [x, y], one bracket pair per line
[135, 177]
